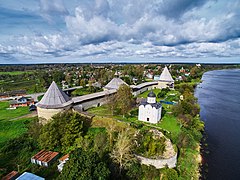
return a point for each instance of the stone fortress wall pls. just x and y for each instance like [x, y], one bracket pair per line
[159, 163]
[91, 103]
[103, 100]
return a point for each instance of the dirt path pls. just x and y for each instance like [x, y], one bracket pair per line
[32, 114]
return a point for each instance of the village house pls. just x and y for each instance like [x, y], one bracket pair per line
[11, 176]
[29, 176]
[21, 102]
[44, 158]
[156, 77]
[149, 75]
[182, 70]
[62, 162]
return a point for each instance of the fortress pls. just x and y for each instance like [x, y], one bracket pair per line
[55, 100]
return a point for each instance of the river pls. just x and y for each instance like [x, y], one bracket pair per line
[219, 99]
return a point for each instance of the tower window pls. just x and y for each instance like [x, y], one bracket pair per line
[147, 119]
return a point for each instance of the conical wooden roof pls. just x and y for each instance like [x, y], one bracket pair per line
[115, 83]
[54, 98]
[166, 76]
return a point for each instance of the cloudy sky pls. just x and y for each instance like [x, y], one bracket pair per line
[47, 31]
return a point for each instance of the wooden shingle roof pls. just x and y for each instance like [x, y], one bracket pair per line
[54, 98]
[166, 76]
[115, 83]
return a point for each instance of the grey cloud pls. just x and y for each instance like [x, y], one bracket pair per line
[176, 8]
[53, 10]
[133, 29]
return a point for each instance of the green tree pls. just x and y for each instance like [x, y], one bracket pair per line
[62, 130]
[84, 165]
[58, 76]
[124, 99]
[34, 128]
[163, 92]
[69, 79]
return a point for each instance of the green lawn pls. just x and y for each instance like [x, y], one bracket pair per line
[100, 111]
[169, 123]
[169, 96]
[7, 114]
[144, 95]
[81, 91]
[12, 129]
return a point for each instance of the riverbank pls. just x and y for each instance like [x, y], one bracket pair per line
[192, 127]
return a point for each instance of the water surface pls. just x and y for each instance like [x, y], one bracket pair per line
[219, 99]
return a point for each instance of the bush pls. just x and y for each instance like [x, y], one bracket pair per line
[134, 112]
[150, 146]
[163, 92]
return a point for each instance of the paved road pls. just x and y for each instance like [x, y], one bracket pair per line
[35, 95]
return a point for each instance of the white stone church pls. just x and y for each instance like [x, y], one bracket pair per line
[150, 110]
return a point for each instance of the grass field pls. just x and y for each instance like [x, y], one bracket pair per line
[16, 72]
[81, 91]
[27, 85]
[12, 129]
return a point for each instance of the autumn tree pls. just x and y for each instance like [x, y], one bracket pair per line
[122, 151]
[111, 103]
[82, 82]
[111, 129]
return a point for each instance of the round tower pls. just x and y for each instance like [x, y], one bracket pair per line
[53, 102]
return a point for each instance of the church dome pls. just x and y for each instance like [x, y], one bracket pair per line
[151, 94]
